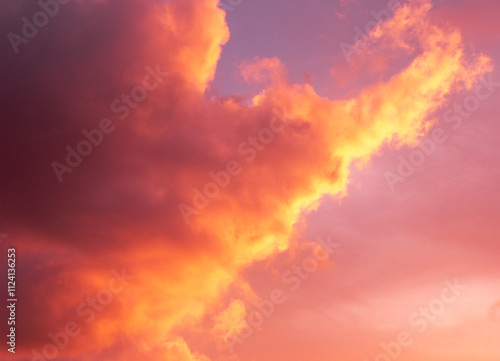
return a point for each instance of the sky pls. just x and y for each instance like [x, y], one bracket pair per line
[250, 180]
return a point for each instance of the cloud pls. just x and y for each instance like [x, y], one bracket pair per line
[120, 208]
[231, 321]
[177, 350]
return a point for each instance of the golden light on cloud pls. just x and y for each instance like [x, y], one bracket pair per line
[198, 188]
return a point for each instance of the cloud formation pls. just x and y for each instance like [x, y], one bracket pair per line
[120, 208]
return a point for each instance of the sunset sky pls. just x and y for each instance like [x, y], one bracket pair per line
[251, 180]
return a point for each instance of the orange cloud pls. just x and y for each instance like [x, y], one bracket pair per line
[231, 321]
[130, 200]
